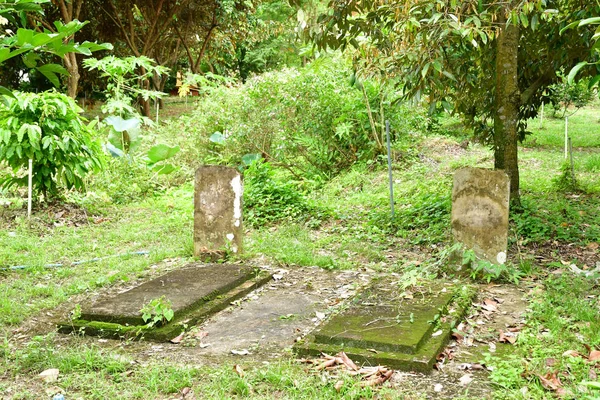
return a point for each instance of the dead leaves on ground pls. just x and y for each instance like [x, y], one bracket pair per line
[551, 382]
[370, 376]
[593, 354]
[192, 338]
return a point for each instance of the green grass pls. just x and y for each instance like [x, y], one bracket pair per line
[91, 372]
[136, 227]
[563, 317]
[584, 129]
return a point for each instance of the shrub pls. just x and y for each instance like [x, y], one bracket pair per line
[47, 128]
[311, 121]
[268, 199]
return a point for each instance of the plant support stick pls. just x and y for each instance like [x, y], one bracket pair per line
[566, 137]
[572, 164]
[389, 157]
[29, 189]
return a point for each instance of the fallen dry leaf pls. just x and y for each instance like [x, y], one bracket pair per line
[571, 353]
[338, 385]
[239, 370]
[551, 382]
[508, 337]
[200, 335]
[469, 366]
[347, 361]
[185, 391]
[458, 336]
[178, 339]
[371, 376]
[50, 375]
[438, 388]
[594, 355]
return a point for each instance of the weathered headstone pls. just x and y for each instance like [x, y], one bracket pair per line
[480, 205]
[217, 212]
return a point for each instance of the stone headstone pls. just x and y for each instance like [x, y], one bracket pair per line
[217, 212]
[480, 204]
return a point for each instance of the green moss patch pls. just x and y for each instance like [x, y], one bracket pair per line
[386, 327]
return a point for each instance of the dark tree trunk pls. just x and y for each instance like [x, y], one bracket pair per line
[507, 108]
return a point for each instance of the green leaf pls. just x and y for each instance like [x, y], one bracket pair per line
[4, 54]
[425, 69]
[162, 152]
[168, 314]
[56, 68]
[24, 37]
[163, 169]
[50, 71]
[217, 138]
[571, 25]
[30, 59]
[524, 20]
[41, 39]
[591, 385]
[5, 92]
[248, 159]
[575, 70]
[534, 22]
[120, 125]
[588, 21]
[594, 81]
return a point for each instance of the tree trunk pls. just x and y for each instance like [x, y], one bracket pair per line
[73, 78]
[507, 108]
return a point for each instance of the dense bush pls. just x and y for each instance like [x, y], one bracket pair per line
[312, 121]
[269, 199]
[47, 128]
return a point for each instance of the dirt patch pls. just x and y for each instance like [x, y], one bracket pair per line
[47, 216]
[586, 257]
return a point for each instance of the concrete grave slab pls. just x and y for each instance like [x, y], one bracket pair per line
[384, 328]
[480, 206]
[217, 212]
[195, 292]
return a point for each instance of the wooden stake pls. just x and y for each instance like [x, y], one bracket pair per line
[566, 137]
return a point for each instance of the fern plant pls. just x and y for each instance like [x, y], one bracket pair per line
[48, 129]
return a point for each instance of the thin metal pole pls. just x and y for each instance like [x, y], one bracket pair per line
[572, 164]
[542, 117]
[566, 137]
[389, 157]
[30, 188]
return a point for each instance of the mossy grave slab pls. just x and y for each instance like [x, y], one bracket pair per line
[195, 292]
[383, 326]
